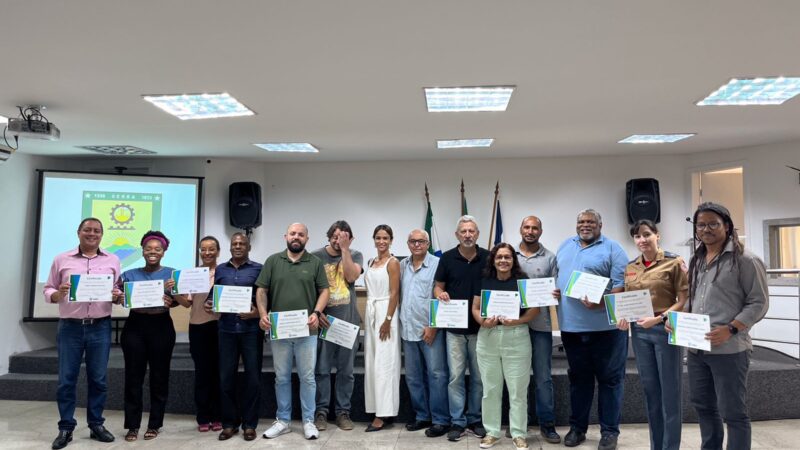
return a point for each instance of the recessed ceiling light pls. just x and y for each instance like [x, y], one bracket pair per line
[117, 150]
[655, 138]
[454, 99]
[754, 91]
[464, 143]
[292, 147]
[3, 119]
[200, 106]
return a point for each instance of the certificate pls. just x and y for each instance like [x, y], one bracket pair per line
[339, 332]
[631, 306]
[582, 284]
[144, 294]
[451, 314]
[191, 281]
[288, 324]
[231, 299]
[91, 288]
[689, 330]
[500, 304]
[537, 292]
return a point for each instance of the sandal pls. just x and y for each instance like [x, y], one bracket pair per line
[204, 427]
[150, 434]
[216, 426]
[132, 435]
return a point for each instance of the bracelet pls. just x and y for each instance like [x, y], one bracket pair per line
[317, 313]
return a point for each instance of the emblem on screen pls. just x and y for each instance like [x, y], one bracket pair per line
[126, 217]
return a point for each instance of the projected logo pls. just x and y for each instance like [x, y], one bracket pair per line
[126, 217]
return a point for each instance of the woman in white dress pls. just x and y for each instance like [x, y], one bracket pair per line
[382, 337]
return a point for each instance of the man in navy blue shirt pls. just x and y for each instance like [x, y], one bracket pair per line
[239, 335]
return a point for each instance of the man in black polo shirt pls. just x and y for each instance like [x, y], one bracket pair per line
[459, 273]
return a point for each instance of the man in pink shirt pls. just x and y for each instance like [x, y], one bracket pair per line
[83, 328]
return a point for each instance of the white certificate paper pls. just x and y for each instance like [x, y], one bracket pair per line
[537, 292]
[288, 324]
[91, 287]
[500, 304]
[451, 314]
[689, 330]
[191, 281]
[339, 332]
[631, 306]
[232, 299]
[582, 284]
[144, 294]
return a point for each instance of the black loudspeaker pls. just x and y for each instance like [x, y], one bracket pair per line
[642, 200]
[244, 205]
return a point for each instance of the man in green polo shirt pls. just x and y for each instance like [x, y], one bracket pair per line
[294, 280]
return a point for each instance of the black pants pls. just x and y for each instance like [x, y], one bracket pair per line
[204, 348]
[240, 397]
[147, 340]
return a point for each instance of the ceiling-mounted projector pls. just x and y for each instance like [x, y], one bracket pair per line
[32, 125]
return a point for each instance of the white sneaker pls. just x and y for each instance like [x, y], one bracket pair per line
[310, 430]
[278, 428]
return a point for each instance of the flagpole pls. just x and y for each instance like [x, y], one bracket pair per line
[494, 211]
[427, 196]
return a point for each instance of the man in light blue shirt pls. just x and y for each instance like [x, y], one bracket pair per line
[595, 349]
[424, 348]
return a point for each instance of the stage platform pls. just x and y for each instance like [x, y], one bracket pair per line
[773, 386]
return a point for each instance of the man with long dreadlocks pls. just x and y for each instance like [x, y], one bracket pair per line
[729, 284]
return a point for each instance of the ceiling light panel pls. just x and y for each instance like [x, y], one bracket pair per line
[655, 138]
[464, 143]
[289, 147]
[117, 150]
[456, 99]
[754, 91]
[200, 106]
[3, 119]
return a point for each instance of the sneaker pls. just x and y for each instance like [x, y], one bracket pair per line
[343, 422]
[574, 438]
[608, 441]
[477, 429]
[549, 433]
[489, 441]
[278, 428]
[310, 430]
[321, 421]
[456, 433]
[436, 430]
[520, 442]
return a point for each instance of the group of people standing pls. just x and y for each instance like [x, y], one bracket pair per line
[455, 377]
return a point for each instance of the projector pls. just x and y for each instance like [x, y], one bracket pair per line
[33, 128]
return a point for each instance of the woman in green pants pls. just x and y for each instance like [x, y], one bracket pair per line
[504, 351]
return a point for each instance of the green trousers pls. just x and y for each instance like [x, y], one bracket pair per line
[504, 354]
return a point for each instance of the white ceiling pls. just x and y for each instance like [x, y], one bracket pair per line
[347, 76]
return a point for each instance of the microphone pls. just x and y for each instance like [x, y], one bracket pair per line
[689, 219]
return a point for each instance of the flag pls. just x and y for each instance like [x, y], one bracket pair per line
[498, 226]
[430, 227]
[463, 200]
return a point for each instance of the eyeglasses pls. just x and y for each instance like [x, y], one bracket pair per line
[416, 242]
[711, 226]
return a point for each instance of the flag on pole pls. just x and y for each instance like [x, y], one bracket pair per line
[463, 200]
[498, 226]
[430, 227]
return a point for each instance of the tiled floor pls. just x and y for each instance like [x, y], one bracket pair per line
[26, 424]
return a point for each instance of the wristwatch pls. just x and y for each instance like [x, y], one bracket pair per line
[388, 317]
[317, 313]
[732, 328]
[664, 317]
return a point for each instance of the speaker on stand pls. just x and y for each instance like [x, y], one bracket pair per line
[642, 200]
[244, 206]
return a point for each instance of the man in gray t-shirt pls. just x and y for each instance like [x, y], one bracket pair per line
[539, 262]
[342, 266]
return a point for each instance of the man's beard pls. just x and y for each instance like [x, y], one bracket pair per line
[295, 247]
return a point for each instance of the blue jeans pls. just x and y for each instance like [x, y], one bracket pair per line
[542, 344]
[249, 346]
[330, 355]
[460, 354]
[73, 341]
[596, 355]
[660, 366]
[427, 378]
[718, 391]
[304, 352]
